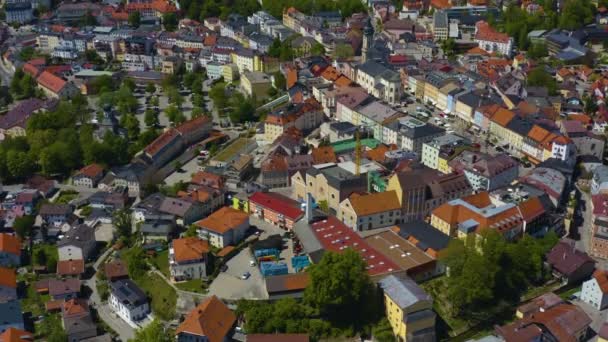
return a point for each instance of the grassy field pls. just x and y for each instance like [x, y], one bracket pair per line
[194, 285]
[163, 296]
[231, 150]
[161, 261]
[66, 196]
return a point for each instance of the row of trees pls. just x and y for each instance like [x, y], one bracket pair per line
[485, 272]
[340, 300]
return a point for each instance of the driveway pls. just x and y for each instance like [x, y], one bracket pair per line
[229, 285]
[125, 331]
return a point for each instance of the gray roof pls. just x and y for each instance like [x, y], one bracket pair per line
[372, 68]
[10, 313]
[78, 236]
[128, 293]
[421, 131]
[157, 226]
[427, 236]
[403, 290]
[151, 203]
[81, 326]
[55, 209]
[440, 19]
[175, 206]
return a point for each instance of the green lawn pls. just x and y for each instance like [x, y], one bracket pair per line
[231, 150]
[45, 255]
[161, 261]
[162, 295]
[195, 285]
[564, 295]
[66, 196]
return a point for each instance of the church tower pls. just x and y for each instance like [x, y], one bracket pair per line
[368, 37]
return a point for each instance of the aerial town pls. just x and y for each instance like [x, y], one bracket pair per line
[298, 171]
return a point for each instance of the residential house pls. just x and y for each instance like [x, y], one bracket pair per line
[210, 321]
[11, 315]
[409, 309]
[486, 172]
[188, 258]
[8, 284]
[275, 208]
[77, 320]
[56, 87]
[428, 239]
[116, 270]
[208, 179]
[158, 227]
[10, 250]
[208, 198]
[70, 268]
[13, 123]
[595, 290]
[562, 322]
[78, 243]
[185, 209]
[55, 214]
[64, 289]
[437, 153]
[549, 180]
[569, 264]
[304, 117]
[224, 227]
[370, 211]
[165, 147]
[88, 176]
[476, 213]
[128, 301]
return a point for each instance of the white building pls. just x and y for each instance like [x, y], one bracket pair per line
[491, 40]
[188, 258]
[595, 290]
[128, 301]
[224, 227]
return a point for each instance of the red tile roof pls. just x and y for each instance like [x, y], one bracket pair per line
[335, 236]
[16, 335]
[8, 277]
[190, 248]
[10, 244]
[194, 124]
[91, 171]
[51, 82]
[211, 318]
[486, 33]
[277, 203]
[70, 267]
[223, 220]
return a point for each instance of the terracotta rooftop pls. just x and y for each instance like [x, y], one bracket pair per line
[8, 277]
[486, 33]
[208, 179]
[223, 220]
[566, 259]
[211, 319]
[116, 269]
[190, 248]
[194, 124]
[70, 267]
[16, 335]
[91, 170]
[10, 244]
[324, 155]
[51, 82]
[601, 276]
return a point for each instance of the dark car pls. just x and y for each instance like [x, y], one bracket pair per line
[224, 268]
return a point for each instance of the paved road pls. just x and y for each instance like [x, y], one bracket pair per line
[585, 227]
[125, 331]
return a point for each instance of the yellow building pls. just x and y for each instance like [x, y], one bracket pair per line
[47, 42]
[230, 73]
[266, 64]
[256, 84]
[409, 309]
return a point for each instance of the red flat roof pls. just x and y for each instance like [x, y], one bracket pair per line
[278, 203]
[336, 237]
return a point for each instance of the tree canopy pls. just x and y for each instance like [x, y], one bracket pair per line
[541, 78]
[153, 332]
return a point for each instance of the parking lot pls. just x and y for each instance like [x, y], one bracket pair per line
[229, 285]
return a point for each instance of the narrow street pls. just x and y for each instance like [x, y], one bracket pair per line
[585, 226]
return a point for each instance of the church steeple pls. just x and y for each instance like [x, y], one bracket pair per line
[368, 37]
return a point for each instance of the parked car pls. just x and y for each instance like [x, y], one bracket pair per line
[246, 276]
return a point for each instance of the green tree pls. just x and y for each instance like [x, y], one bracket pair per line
[172, 113]
[541, 78]
[340, 288]
[153, 332]
[135, 258]
[590, 104]
[448, 46]
[192, 231]
[317, 49]
[279, 81]
[123, 221]
[243, 109]
[151, 118]
[576, 14]
[170, 21]
[537, 51]
[343, 50]
[383, 332]
[150, 88]
[88, 19]
[23, 226]
[217, 93]
[19, 164]
[135, 19]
